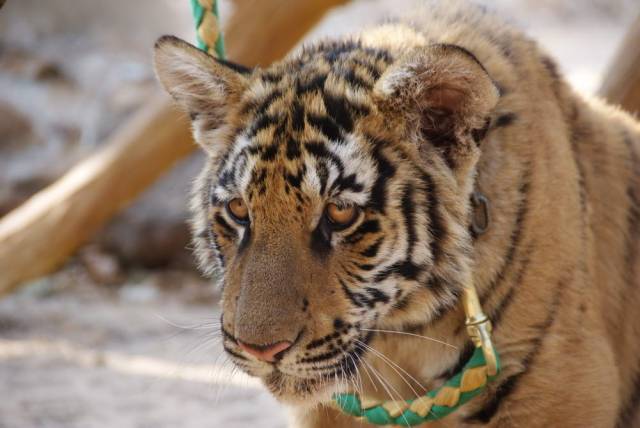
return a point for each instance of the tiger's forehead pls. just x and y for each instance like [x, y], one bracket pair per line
[297, 126]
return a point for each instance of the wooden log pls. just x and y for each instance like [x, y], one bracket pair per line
[39, 236]
[621, 83]
[282, 23]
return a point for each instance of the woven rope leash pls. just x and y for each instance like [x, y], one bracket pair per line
[432, 406]
[208, 31]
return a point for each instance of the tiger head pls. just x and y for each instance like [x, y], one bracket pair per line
[335, 199]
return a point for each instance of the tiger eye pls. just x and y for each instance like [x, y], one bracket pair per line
[341, 216]
[238, 210]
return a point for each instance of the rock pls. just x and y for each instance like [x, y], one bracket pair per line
[26, 65]
[153, 232]
[15, 128]
[102, 267]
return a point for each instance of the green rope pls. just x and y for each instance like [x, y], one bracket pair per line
[380, 415]
[208, 32]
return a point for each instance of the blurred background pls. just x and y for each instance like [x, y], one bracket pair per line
[124, 334]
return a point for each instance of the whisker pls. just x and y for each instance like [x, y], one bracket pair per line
[375, 388]
[414, 379]
[405, 333]
[378, 376]
[390, 395]
[198, 326]
[395, 367]
[359, 376]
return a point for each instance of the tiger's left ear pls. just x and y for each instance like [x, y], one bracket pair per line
[202, 85]
[445, 91]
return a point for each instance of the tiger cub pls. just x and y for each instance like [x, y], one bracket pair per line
[336, 206]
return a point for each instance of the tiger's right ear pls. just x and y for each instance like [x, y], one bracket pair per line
[202, 85]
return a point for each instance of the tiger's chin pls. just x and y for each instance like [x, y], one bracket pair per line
[297, 391]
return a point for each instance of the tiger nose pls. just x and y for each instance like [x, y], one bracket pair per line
[268, 353]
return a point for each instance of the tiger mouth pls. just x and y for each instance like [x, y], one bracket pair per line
[317, 378]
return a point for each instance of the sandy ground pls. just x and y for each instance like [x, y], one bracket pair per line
[82, 356]
[144, 355]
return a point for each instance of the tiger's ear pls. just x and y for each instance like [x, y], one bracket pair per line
[202, 85]
[444, 90]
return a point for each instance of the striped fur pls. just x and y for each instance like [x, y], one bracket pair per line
[405, 121]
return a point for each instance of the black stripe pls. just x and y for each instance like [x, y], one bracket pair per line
[293, 149]
[516, 237]
[267, 152]
[353, 275]
[264, 121]
[322, 357]
[577, 135]
[296, 180]
[356, 298]
[445, 292]
[327, 126]
[219, 220]
[341, 111]
[403, 303]
[323, 174]
[351, 77]
[478, 134]
[348, 364]
[463, 359]
[437, 228]
[321, 239]
[630, 408]
[371, 69]
[226, 334]
[385, 170]
[347, 183]
[632, 402]
[495, 313]
[408, 211]
[315, 84]
[297, 116]
[407, 269]
[551, 66]
[505, 119]
[367, 227]
[447, 46]
[270, 77]
[260, 107]
[238, 68]
[633, 214]
[323, 340]
[376, 296]
[234, 353]
[372, 250]
[365, 266]
[246, 239]
[332, 51]
[320, 152]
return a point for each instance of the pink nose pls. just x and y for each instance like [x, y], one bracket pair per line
[265, 352]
